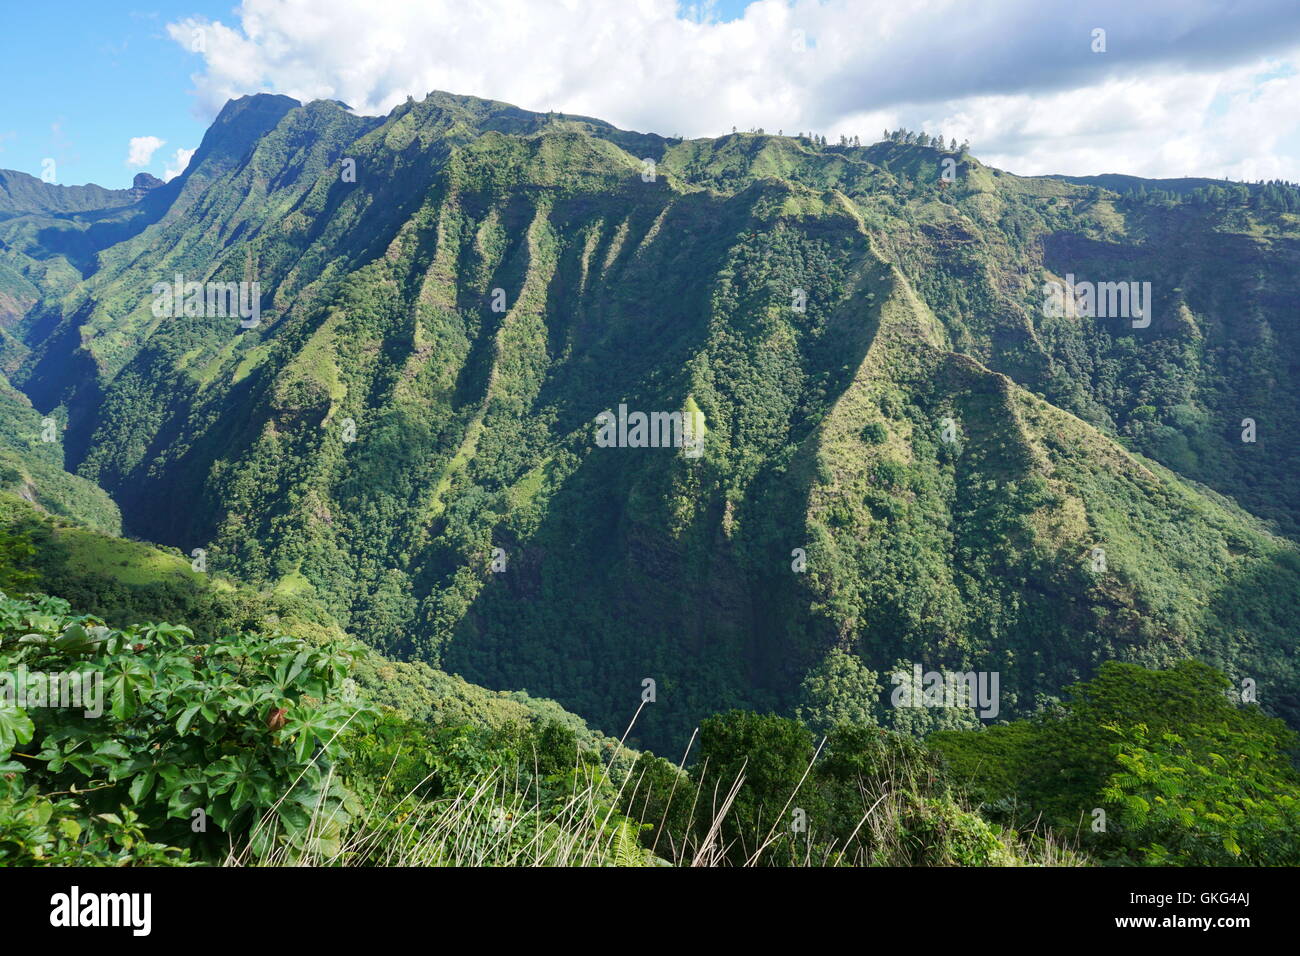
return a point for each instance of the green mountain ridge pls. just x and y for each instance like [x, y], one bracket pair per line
[828, 310]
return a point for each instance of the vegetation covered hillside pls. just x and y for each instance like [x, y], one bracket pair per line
[905, 459]
[273, 738]
[264, 735]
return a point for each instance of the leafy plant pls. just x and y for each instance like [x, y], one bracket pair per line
[174, 741]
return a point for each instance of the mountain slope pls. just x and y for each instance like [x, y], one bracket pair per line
[130, 583]
[31, 466]
[904, 458]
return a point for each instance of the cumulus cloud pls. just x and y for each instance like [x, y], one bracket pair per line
[176, 165]
[141, 149]
[1181, 87]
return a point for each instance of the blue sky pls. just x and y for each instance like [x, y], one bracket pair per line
[82, 78]
[1205, 88]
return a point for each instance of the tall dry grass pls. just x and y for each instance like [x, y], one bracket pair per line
[501, 820]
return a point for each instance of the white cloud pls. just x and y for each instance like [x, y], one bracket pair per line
[1178, 90]
[177, 164]
[140, 152]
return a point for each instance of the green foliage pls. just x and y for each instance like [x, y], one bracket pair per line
[770, 755]
[17, 553]
[509, 795]
[761, 791]
[824, 307]
[1183, 805]
[32, 464]
[36, 830]
[873, 433]
[1186, 775]
[162, 739]
[839, 691]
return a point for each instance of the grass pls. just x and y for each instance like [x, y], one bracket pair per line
[499, 819]
[131, 563]
[293, 584]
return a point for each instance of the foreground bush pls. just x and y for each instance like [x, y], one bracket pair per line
[162, 749]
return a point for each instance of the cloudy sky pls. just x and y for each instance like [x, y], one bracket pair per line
[1170, 88]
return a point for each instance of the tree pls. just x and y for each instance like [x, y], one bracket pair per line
[771, 756]
[17, 552]
[1153, 749]
[841, 689]
[1237, 805]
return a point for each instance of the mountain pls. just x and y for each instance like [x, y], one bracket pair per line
[905, 459]
[23, 194]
